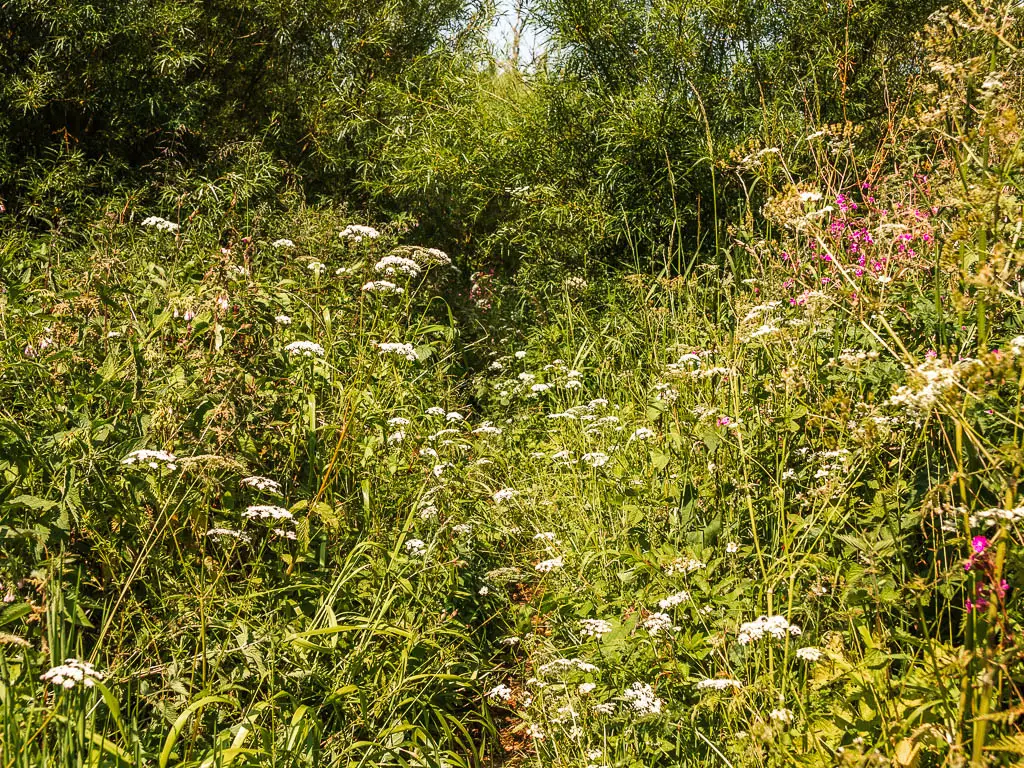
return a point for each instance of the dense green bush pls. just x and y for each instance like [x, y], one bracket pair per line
[112, 92]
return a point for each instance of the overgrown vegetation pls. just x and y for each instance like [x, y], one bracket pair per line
[697, 444]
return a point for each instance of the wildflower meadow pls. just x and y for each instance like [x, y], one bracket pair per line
[371, 395]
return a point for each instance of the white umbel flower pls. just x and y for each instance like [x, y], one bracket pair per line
[594, 627]
[500, 497]
[398, 349]
[382, 286]
[304, 349]
[810, 654]
[71, 673]
[267, 512]
[718, 684]
[416, 547]
[500, 693]
[547, 566]
[260, 483]
[673, 600]
[356, 233]
[393, 266]
[776, 627]
[640, 697]
[283, 242]
[152, 459]
[162, 225]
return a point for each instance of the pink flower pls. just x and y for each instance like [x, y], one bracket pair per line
[979, 544]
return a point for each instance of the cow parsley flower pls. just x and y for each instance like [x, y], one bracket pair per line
[732, 548]
[718, 684]
[545, 536]
[594, 627]
[398, 349]
[382, 286]
[260, 483]
[162, 225]
[487, 429]
[316, 267]
[397, 436]
[152, 459]
[595, 459]
[781, 715]
[356, 233]
[267, 511]
[416, 547]
[673, 600]
[304, 349]
[281, 533]
[392, 266]
[500, 693]
[586, 688]
[434, 411]
[657, 623]
[282, 243]
[640, 696]
[643, 433]
[684, 565]
[809, 654]
[777, 627]
[71, 673]
[547, 566]
[454, 416]
[230, 533]
[283, 320]
[605, 708]
[398, 421]
[500, 497]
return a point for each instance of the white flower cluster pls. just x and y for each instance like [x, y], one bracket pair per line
[777, 627]
[282, 243]
[930, 380]
[640, 696]
[595, 459]
[995, 515]
[487, 429]
[416, 547]
[231, 533]
[781, 715]
[283, 320]
[684, 565]
[658, 623]
[718, 684]
[163, 225]
[382, 286]
[304, 349]
[398, 349]
[643, 433]
[809, 654]
[260, 483]
[432, 257]
[500, 693]
[392, 266]
[594, 627]
[580, 664]
[505, 494]
[547, 566]
[356, 233]
[267, 511]
[71, 673]
[673, 600]
[152, 459]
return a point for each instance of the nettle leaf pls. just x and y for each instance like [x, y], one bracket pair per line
[33, 502]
